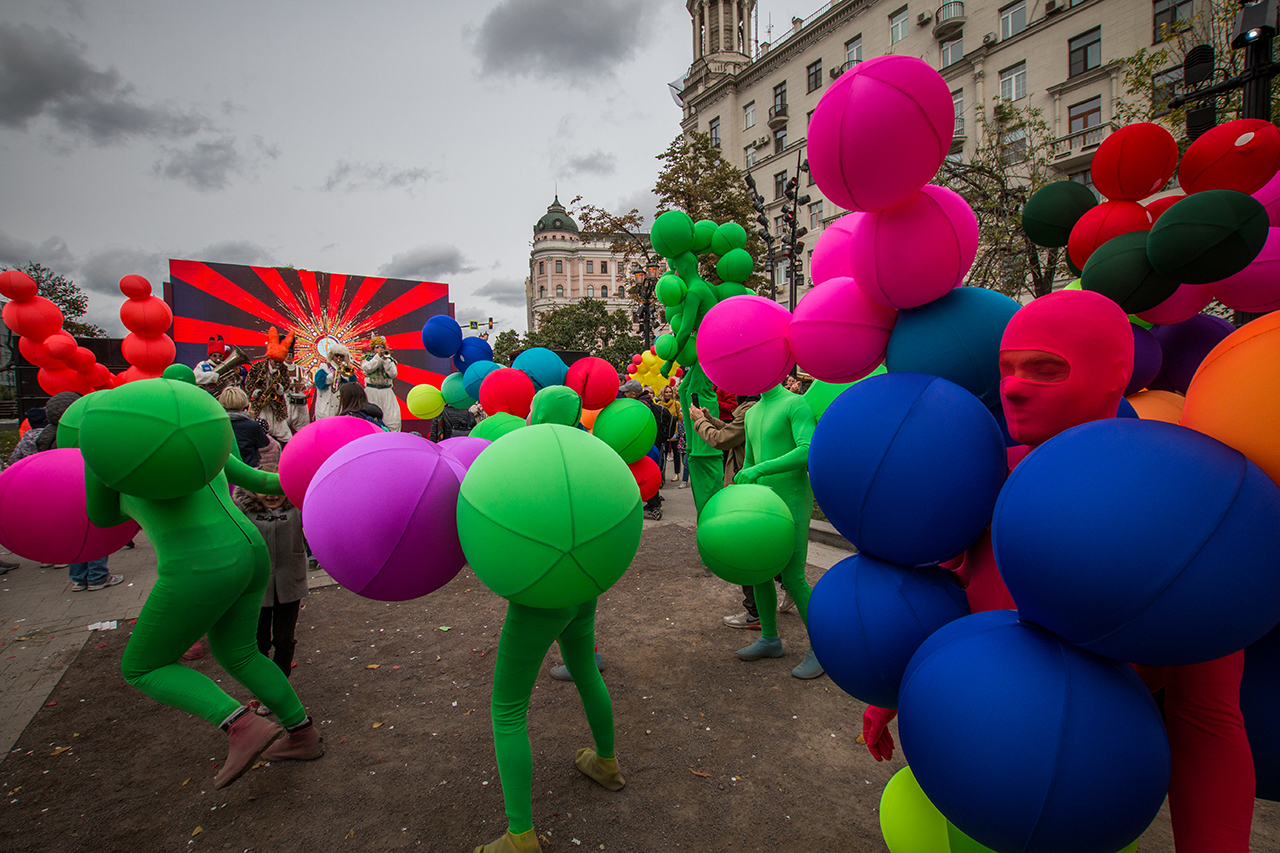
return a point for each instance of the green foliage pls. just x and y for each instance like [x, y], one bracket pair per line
[64, 293]
[507, 342]
[587, 326]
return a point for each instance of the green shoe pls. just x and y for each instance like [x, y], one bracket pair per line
[765, 647]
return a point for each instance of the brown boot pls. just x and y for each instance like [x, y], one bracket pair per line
[303, 745]
[247, 737]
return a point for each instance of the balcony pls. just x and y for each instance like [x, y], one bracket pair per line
[777, 116]
[1075, 150]
[840, 69]
[949, 21]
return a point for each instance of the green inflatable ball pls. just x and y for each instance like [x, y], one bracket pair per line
[454, 394]
[909, 822]
[672, 234]
[180, 373]
[703, 231]
[1208, 236]
[425, 401]
[665, 347]
[69, 425]
[735, 265]
[628, 426]
[746, 534]
[688, 355]
[556, 404]
[497, 425]
[1071, 268]
[1119, 270]
[729, 289]
[1054, 210]
[728, 237]
[670, 290]
[821, 394]
[549, 516]
[156, 438]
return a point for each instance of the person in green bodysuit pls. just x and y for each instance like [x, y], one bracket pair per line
[706, 464]
[212, 563]
[779, 428]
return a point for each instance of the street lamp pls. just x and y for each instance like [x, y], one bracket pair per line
[646, 280]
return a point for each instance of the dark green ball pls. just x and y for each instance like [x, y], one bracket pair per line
[1119, 270]
[1054, 210]
[1208, 236]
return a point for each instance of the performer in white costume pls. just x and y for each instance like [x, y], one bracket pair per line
[379, 371]
[338, 370]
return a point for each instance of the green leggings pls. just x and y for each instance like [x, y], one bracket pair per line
[706, 476]
[527, 634]
[793, 577]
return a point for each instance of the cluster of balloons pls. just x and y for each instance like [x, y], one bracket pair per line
[646, 368]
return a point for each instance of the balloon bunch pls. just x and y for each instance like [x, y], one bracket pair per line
[646, 368]
[147, 347]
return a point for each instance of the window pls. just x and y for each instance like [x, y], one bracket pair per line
[1013, 144]
[815, 215]
[559, 266]
[1165, 86]
[780, 95]
[1085, 115]
[1013, 19]
[749, 116]
[559, 291]
[956, 156]
[542, 267]
[750, 152]
[591, 266]
[542, 291]
[1169, 17]
[604, 290]
[779, 140]
[898, 26]
[778, 222]
[813, 73]
[713, 130]
[957, 103]
[1085, 51]
[1013, 82]
[952, 51]
[1086, 178]
[779, 184]
[604, 266]
[853, 50]
[591, 291]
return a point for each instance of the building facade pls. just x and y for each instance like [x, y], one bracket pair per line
[1064, 57]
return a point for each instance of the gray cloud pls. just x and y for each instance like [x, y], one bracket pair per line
[428, 263]
[353, 176]
[599, 163]
[642, 200]
[205, 166]
[467, 311]
[44, 73]
[235, 252]
[52, 253]
[103, 268]
[507, 292]
[575, 40]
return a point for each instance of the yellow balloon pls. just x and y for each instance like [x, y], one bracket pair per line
[425, 401]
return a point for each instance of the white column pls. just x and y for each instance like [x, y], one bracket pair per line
[1057, 115]
[719, 25]
[733, 25]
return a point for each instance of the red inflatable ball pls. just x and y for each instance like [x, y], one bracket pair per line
[82, 359]
[147, 317]
[133, 374]
[507, 390]
[648, 476]
[1134, 162]
[1241, 155]
[37, 353]
[135, 287]
[100, 377]
[1159, 206]
[1107, 220]
[149, 354]
[58, 379]
[631, 368]
[17, 285]
[36, 318]
[595, 380]
[61, 346]
[1256, 288]
[637, 359]
[1186, 302]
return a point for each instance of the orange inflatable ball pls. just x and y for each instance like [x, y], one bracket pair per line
[1134, 162]
[588, 417]
[1157, 405]
[1107, 220]
[1235, 394]
[1240, 155]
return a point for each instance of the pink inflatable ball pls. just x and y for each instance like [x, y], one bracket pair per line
[1256, 288]
[311, 446]
[838, 334]
[1134, 162]
[43, 515]
[135, 287]
[463, 448]
[1186, 302]
[831, 254]
[880, 132]
[1241, 155]
[595, 380]
[507, 390]
[409, 545]
[742, 344]
[917, 251]
[1269, 196]
[36, 318]
[17, 285]
[1159, 206]
[1107, 220]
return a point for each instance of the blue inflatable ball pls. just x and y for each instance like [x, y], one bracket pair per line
[1141, 540]
[1071, 755]
[1260, 704]
[956, 337]
[471, 351]
[1125, 409]
[441, 335]
[474, 375]
[907, 467]
[1147, 358]
[541, 365]
[654, 455]
[867, 618]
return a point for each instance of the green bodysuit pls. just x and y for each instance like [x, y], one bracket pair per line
[706, 464]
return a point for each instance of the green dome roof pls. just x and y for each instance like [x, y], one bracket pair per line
[556, 219]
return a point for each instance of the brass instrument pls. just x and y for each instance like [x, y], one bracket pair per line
[345, 369]
[231, 364]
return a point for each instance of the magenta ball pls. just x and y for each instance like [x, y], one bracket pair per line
[831, 253]
[838, 334]
[381, 517]
[311, 446]
[464, 448]
[43, 515]
[917, 251]
[880, 132]
[1256, 288]
[1269, 196]
[1186, 302]
[742, 344]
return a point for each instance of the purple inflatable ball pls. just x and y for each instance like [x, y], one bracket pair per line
[463, 448]
[1184, 346]
[406, 545]
[1147, 358]
[830, 257]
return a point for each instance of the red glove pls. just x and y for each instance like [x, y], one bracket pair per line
[875, 732]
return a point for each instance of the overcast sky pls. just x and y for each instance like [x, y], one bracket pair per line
[403, 139]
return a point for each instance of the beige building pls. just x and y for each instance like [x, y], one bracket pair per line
[755, 97]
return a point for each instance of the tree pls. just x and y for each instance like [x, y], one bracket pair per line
[587, 326]
[695, 178]
[508, 341]
[628, 241]
[1012, 159]
[69, 298]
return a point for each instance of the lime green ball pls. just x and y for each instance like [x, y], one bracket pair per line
[156, 438]
[672, 234]
[1076, 284]
[703, 231]
[670, 290]
[497, 425]
[181, 373]
[746, 534]
[454, 394]
[628, 426]
[728, 237]
[556, 404]
[425, 401]
[69, 425]
[908, 821]
[735, 265]
[665, 347]
[1054, 210]
[549, 516]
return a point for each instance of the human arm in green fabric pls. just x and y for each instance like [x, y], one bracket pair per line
[251, 478]
[782, 424]
[102, 502]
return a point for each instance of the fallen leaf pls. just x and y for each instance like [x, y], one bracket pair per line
[395, 667]
[468, 713]
[860, 739]
[376, 725]
[184, 782]
[60, 750]
[445, 628]
[197, 831]
[373, 666]
[50, 703]
[350, 834]
[258, 764]
[699, 773]
[437, 657]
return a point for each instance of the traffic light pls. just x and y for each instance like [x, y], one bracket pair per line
[490, 322]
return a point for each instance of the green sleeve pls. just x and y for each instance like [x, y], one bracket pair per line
[102, 502]
[251, 478]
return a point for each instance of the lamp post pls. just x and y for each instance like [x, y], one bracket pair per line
[646, 280]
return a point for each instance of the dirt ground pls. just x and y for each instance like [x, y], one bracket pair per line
[718, 754]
